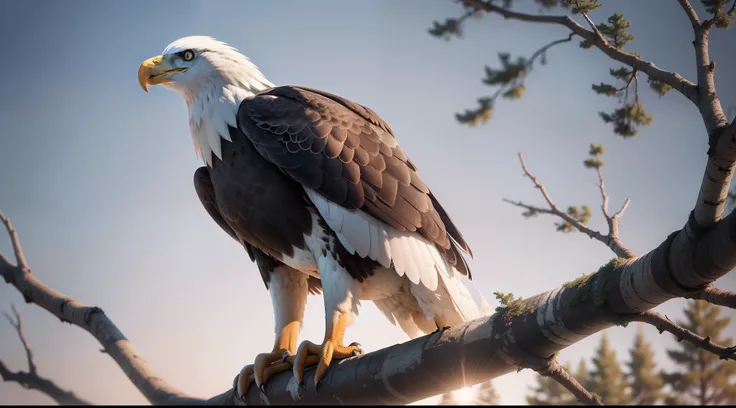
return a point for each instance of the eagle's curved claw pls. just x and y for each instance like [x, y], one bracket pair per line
[287, 356]
[265, 366]
[310, 353]
[244, 379]
[358, 348]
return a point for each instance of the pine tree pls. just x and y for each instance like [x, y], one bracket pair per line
[646, 382]
[486, 394]
[703, 378]
[549, 392]
[607, 380]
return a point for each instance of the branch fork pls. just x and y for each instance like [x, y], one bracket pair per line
[611, 239]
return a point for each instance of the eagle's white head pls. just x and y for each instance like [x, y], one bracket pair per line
[213, 78]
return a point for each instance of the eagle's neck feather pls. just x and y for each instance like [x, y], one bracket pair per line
[214, 107]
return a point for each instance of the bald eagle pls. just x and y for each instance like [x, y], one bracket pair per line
[323, 199]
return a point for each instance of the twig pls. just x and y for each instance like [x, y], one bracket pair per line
[690, 11]
[663, 323]
[94, 321]
[547, 47]
[529, 65]
[571, 384]
[18, 324]
[717, 296]
[612, 220]
[31, 379]
[20, 258]
[611, 240]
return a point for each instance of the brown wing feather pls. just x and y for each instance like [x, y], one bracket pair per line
[347, 153]
[266, 264]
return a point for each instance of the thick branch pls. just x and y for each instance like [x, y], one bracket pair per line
[717, 179]
[663, 323]
[717, 296]
[488, 347]
[460, 356]
[31, 379]
[94, 321]
[611, 240]
[675, 80]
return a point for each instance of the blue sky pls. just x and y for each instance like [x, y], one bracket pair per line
[97, 175]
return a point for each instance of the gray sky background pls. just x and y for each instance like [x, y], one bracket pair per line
[96, 175]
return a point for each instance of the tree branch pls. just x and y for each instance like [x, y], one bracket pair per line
[690, 11]
[711, 202]
[663, 323]
[551, 368]
[613, 221]
[18, 324]
[717, 296]
[91, 319]
[710, 205]
[675, 80]
[457, 357]
[31, 379]
[20, 258]
[611, 240]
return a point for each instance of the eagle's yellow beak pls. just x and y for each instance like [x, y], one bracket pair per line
[156, 70]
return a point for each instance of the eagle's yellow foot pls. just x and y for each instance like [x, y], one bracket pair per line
[267, 365]
[332, 348]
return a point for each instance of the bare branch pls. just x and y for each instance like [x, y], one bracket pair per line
[611, 240]
[717, 296]
[551, 368]
[613, 221]
[620, 212]
[663, 323]
[31, 379]
[20, 259]
[18, 324]
[690, 11]
[675, 80]
[94, 321]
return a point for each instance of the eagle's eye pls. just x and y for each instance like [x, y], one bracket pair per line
[188, 55]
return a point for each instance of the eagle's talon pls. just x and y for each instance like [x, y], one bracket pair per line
[318, 385]
[265, 366]
[243, 381]
[331, 349]
[302, 385]
[286, 356]
[358, 348]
